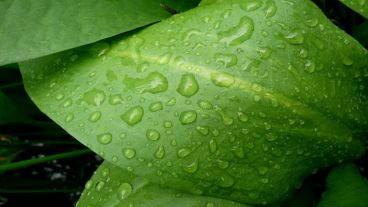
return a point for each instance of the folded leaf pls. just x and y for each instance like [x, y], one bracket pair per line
[30, 29]
[113, 186]
[345, 188]
[360, 6]
[238, 100]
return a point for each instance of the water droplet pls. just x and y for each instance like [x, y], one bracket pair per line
[115, 99]
[295, 38]
[104, 138]
[226, 60]
[242, 32]
[94, 97]
[68, 102]
[309, 66]
[226, 181]
[191, 167]
[69, 118]
[312, 22]
[99, 185]
[257, 98]
[347, 61]
[129, 153]
[251, 5]
[133, 116]
[156, 106]
[152, 134]
[242, 117]
[303, 53]
[222, 164]
[183, 152]
[154, 83]
[111, 76]
[270, 9]
[188, 35]
[160, 152]
[88, 184]
[205, 105]
[212, 145]
[124, 190]
[188, 85]
[188, 117]
[95, 116]
[203, 130]
[227, 120]
[264, 52]
[222, 79]
[171, 102]
[165, 58]
[210, 204]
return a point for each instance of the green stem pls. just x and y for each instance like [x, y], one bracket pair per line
[35, 161]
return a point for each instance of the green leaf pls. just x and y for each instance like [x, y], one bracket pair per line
[345, 187]
[233, 100]
[113, 186]
[30, 29]
[360, 6]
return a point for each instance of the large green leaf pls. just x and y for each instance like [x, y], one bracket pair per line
[30, 29]
[239, 100]
[345, 188]
[113, 186]
[360, 6]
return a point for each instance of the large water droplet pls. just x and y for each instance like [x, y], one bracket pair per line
[160, 152]
[222, 79]
[295, 38]
[129, 153]
[226, 181]
[203, 130]
[124, 190]
[152, 134]
[242, 117]
[133, 116]
[270, 9]
[94, 97]
[115, 99]
[188, 117]
[155, 82]
[188, 85]
[251, 5]
[104, 138]
[242, 32]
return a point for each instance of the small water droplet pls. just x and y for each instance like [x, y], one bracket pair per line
[168, 124]
[156, 106]
[205, 105]
[69, 118]
[154, 83]
[203, 130]
[242, 117]
[309, 66]
[124, 190]
[212, 145]
[188, 85]
[270, 9]
[183, 152]
[94, 97]
[95, 116]
[295, 38]
[222, 164]
[222, 79]
[160, 152]
[226, 60]
[262, 170]
[100, 185]
[191, 167]
[347, 61]
[188, 117]
[133, 116]
[251, 5]
[152, 134]
[129, 153]
[171, 102]
[226, 181]
[104, 138]
[115, 99]
[68, 102]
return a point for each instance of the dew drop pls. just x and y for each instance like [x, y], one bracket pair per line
[262, 170]
[124, 190]
[191, 167]
[226, 181]
[270, 9]
[242, 32]
[212, 145]
[188, 85]
[295, 38]
[242, 117]
[104, 138]
[226, 60]
[222, 79]
[183, 152]
[188, 117]
[309, 66]
[69, 118]
[115, 99]
[251, 5]
[152, 134]
[154, 83]
[160, 152]
[129, 153]
[203, 130]
[133, 116]
[94, 97]
[156, 106]
[347, 61]
[95, 116]
[205, 105]
[99, 185]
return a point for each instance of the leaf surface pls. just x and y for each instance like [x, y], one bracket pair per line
[238, 100]
[345, 187]
[113, 186]
[30, 29]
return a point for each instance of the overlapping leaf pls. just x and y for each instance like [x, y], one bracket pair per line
[113, 186]
[239, 99]
[345, 187]
[30, 29]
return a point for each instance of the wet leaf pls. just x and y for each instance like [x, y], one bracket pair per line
[237, 100]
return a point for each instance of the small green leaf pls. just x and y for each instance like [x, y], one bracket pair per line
[237, 100]
[30, 29]
[113, 186]
[345, 187]
[360, 6]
